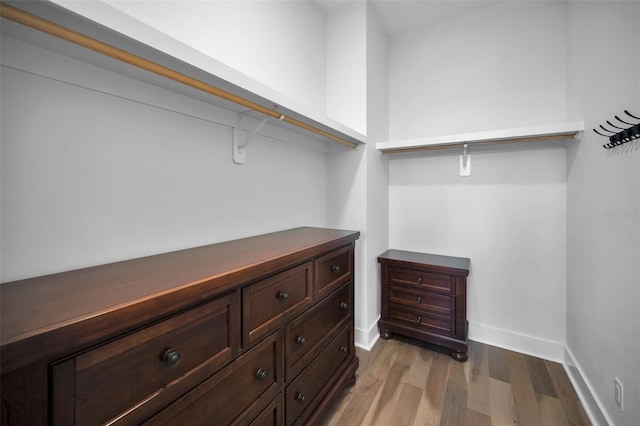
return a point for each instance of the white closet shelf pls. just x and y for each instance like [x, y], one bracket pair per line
[562, 131]
[99, 34]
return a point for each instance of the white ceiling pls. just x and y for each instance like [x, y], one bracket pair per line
[397, 16]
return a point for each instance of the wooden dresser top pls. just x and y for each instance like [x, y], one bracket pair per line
[43, 315]
[451, 264]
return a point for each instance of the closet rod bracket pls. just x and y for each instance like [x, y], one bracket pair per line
[239, 144]
[465, 161]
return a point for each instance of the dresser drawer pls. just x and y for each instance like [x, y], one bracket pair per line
[300, 396]
[270, 416]
[235, 395]
[332, 270]
[145, 369]
[268, 303]
[422, 300]
[306, 334]
[424, 280]
[420, 320]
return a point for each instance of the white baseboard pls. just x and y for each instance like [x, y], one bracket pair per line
[365, 339]
[530, 345]
[591, 403]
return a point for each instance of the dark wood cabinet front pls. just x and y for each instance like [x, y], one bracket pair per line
[303, 393]
[253, 380]
[424, 296]
[332, 270]
[306, 334]
[142, 367]
[219, 334]
[268, 303]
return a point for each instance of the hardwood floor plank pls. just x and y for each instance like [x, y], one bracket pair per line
[424, 415]
[418, 372]
[381, 410]
[475, 418]
[436, 387]
[552, 412]
[459, 372]
[568, 398]
[357, 406]
[540, 378]
[503, 412]
[497, 364]
[405, 354]
[454, 407]
[365, 357]
[406, 408]
[381, 364]
[495, 386]
[527, 411]
[479, 396]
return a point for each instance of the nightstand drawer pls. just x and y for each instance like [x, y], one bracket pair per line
[423, 320]
[423, 300]
[425, 280]
[268, 303]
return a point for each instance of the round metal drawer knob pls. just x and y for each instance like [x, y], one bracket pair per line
[335, 269]
[419, 319]
[301, 340]
[261, 374]
[171, 357]
[344, 306]
[283, 295]
[419, 299]
[419, 280]
[300, 397]
[343, 348]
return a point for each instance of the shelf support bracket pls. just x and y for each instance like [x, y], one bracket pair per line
[239, 147]
[465, 161]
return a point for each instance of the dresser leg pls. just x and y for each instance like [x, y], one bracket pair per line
[385, 334]
[352, 381]
[459, 355]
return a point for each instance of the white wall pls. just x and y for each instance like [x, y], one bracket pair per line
[346, 66]
[496, 67]
[347, 171]
[357, 95]
[377, 167]
[276, 42]
[603, 316]
[96, 169]
[509, 218]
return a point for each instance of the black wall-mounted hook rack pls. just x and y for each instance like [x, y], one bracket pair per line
[622, 135]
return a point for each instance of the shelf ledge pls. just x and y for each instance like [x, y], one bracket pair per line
[90, 27]
[560, 131]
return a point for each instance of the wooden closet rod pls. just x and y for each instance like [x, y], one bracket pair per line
[24, 18]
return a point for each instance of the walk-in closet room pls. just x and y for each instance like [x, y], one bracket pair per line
[320, 212]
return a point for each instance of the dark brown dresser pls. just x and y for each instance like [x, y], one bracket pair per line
[257, 331]
[424, 296]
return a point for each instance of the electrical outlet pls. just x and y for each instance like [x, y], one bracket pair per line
[618, 394]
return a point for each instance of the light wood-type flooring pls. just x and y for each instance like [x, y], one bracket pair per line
[406, 382]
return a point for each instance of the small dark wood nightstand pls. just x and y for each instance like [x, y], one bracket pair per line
[424, 296]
